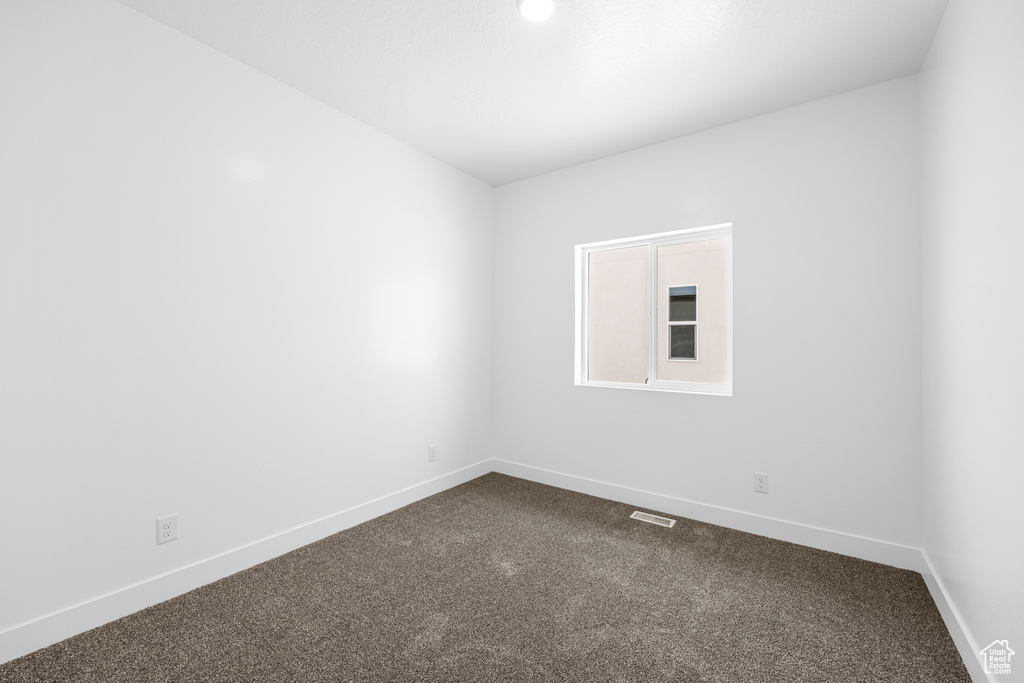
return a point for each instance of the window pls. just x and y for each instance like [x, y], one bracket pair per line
[682, 323]
[655, 312]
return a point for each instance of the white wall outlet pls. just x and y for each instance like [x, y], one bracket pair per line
[760, 482]
[431, 453]
[166, 529]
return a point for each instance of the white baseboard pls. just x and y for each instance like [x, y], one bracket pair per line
[965, 643]
[883, 552]
[45, 631]
[52, 628]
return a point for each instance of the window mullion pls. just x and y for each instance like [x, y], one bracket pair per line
[652, 316]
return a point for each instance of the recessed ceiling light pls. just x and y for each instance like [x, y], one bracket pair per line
[536, 10]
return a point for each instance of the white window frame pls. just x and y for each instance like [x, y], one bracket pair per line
[669, 324]
[653, 241]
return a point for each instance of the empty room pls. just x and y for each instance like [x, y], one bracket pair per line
[498, 340]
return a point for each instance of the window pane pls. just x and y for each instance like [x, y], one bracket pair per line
[682, 342]
[617, 344]
[682, 303]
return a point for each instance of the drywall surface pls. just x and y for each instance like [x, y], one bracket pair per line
[219, 298]
[973, 171]
[825, 210]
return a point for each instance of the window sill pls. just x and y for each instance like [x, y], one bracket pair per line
[671, 387]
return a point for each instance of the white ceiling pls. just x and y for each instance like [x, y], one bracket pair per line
[475, 85]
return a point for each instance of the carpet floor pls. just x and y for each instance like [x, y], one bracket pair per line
[502, 579]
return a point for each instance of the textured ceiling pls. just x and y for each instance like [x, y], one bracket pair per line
[473, 84]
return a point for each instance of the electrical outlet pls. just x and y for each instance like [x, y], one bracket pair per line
[166, 529]
[431, 453]
[760, 482]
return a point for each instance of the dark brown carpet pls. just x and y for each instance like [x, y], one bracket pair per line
[502, 579]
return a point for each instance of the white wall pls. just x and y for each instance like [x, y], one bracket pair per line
[824, 202]
[973, 248]
[218, 298]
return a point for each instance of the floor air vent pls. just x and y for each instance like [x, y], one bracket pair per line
[653, 519]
